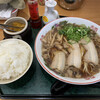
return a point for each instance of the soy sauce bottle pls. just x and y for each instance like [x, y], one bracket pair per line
[34, 14]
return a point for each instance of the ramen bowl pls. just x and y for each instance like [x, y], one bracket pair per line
[38, 50]
[15, 60]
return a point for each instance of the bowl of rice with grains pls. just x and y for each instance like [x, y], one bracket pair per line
[16, 57]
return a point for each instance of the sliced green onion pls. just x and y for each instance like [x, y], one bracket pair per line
[74, 32]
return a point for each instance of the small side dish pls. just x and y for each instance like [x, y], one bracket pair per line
[16, 24]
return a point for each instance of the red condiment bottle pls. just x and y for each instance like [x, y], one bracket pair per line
[34, 15]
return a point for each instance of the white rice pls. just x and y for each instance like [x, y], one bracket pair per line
[14, 58]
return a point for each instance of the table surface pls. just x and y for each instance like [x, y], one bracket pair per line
[89, 10]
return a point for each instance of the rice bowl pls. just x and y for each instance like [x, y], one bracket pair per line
[16, 57]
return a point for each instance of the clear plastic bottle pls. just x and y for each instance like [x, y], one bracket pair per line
[34, 14]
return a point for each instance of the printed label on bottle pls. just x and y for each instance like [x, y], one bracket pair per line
[45, 19]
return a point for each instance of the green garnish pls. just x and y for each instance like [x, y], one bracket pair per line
[53, 27]
[75, 33]
[87, 39]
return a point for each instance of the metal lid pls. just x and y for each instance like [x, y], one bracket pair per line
[70, 4]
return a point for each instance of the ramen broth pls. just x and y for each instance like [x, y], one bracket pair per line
[72, 50]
